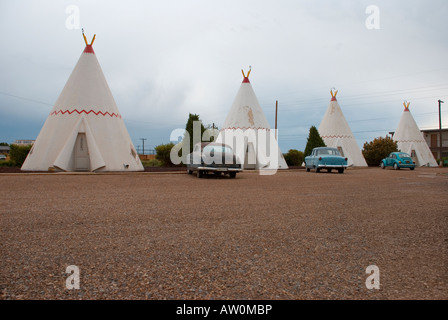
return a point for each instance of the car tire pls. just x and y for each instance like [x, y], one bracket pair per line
[396, 167]
[382, 165]
[199, 174]
[412, 168]
[232, 175]
[341, 170]
[329, 170]
[317, 170]
[189, 171]
[308, 170]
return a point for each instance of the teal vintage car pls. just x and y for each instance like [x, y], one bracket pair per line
[398, 160]
[325, 158]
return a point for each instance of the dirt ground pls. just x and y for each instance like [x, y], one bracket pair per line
[292, 235]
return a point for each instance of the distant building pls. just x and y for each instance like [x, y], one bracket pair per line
[4, 149]
[432, 138]
[23, 142]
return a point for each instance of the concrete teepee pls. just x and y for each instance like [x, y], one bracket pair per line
[247, 131]
[85, 130]
[336, 133]
[410, 139]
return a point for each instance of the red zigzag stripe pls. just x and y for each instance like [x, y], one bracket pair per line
[86, 112]
[245, 128]
[410, 141]
[336, 136]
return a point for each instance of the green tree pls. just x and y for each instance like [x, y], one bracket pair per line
[378, 149]
[163, 154]
[4, 144]
[314, 141]
[189, 129]
[294, 157]
[18, 153]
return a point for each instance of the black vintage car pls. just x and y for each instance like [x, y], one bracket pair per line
[213, 157]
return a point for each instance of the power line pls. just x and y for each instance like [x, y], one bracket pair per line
[23, 98]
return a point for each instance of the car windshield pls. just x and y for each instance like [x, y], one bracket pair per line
[332, 152]
[222, 149]
[404, 155]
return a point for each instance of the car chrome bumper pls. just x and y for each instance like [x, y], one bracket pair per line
[218, 169]
[332, 166]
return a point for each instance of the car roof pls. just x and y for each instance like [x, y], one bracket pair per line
[203, 144]
[320, 148]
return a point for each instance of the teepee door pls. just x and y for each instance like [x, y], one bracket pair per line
[250, 158]
[82, 161]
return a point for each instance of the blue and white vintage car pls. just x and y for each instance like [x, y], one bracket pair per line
[325, 158]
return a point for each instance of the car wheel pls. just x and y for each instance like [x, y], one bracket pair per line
[412, 168]
[232, 175]
[341, 170]
[308, 170]
[329, 170]
[382, 165]
[317, 170]
[396, 167]
[199, 174]
[189, 171]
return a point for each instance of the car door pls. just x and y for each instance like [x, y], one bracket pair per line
[393, 159]
[389, 160]
[313, 158]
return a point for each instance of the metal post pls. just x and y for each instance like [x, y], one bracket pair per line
[143, 139]
[440, 132]
[276, 109]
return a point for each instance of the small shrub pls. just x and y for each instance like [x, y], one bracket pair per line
[19, 153]
[152, 163]
[378, 149]
[163, 152]
[7, 163]
[294, 157]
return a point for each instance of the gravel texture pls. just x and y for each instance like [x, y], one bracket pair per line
[292, 235]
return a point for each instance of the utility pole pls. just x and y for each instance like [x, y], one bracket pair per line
[440, 131]
[143, 139]
[276, 109]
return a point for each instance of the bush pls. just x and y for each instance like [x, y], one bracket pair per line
[314, 141]
[378, 149]
[294, 157]
[152, 163]
[18, 153]
[163, 154]
[7, 163]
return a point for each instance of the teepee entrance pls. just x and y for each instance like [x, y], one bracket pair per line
[81, 153]
[250, 158]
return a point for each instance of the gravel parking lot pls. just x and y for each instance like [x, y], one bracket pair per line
[292, 235]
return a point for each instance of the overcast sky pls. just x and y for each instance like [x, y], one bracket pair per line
[165, 59]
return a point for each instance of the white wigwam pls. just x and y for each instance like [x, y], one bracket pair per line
[247, 131]
[336, 133]
[85, 130]
[410, 139]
